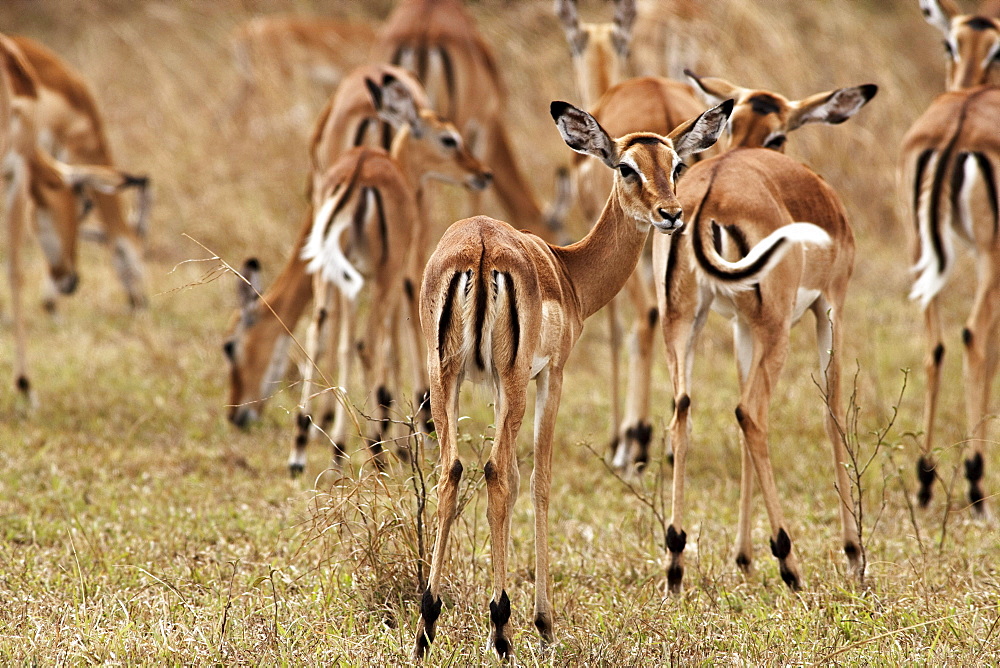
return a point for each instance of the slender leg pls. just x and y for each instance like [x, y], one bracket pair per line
[346, 353]
[829, 344]
[618, 452]
[502, 483]
[752, 415]
[932, 367]
[980, 367]
[743, 345]
[444, 404]
[303, 423]
[18, 209]
[382, 307]
[635, 430]
[548, 386]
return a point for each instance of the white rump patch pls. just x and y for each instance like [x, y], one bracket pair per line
[930, 278]
[323, 248]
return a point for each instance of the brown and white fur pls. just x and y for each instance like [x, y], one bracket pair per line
[737, 202]
[438, 40]
[948, 176]
[503, 307]
[259, 337]
[70, 127]
[365, 234]
[654, 104]
[42, 190]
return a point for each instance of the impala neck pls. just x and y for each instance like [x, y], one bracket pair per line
[413, 168]
[599, 264]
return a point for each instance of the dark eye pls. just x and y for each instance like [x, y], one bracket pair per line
[625, 170]
[229, 348]
[679, 169]
[449, 141]
[775, 143]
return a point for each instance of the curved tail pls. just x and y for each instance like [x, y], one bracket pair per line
[323, 250]
[758, 261]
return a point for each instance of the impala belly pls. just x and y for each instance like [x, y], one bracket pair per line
[804, 298]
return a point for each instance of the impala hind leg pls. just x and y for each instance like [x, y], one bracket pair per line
[343, 420]
[444, 395]
[18, 209]
[752, 415]
[502, 485]
[323, 295]
[980, 339]
[374, 351]
[829, 344]
[932, 368]
[636, 432]
[548, 386]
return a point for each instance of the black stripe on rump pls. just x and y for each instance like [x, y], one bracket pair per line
[359, 135]
[989, 178]
[957, 181]
[361, 213]
[383, 229]
[722, 274]
[922, 161]
[449, 79]
[515, 319]
[421, 63]
[447, 312]
[481, 299]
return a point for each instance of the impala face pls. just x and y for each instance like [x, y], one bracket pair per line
[646, 164]
[763, 119]
[599, 50]
[971, 45]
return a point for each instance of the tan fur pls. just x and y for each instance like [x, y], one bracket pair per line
[414, 36]
[956, 137]
[758, 192]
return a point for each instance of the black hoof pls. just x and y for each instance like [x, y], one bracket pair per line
[743, 562]
[544, 626]
[789, 578]
[499, 617]
[926, 476]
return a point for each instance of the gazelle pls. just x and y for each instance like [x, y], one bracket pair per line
[653, 104]
[258, 341]
[738, 202]
[272, 49]
[368, 228]
[502, 307]
[948, 172]
[439, 41]
[70, 127]
[37, 181]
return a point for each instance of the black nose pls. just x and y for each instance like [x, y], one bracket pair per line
[666, 215]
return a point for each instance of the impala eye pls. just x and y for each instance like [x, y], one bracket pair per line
[625, 171]
[775, 143]
[679, 169]
[449, 142]
[229, 349]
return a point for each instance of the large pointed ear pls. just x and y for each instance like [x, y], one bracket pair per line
[570, 20]
[939, 13]
[583, 133]
[715, 90]
[831, 107]
[621, 31]
[702, 132]
[394, 103]
[248, 287]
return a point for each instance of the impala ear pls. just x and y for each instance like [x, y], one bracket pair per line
[939, 13]
[394, 103]
[621, 32]
[248, 287]
[831, 107]
[583, 133]
[570, 19]
[702, 132]
[715, 90]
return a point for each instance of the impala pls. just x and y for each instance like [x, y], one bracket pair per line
[653, 104]
[366, 230]
[948, 170]
[71, 128]
[36, 181]
[736, 203]
[502, 307]
[260, 336]
[439, 41]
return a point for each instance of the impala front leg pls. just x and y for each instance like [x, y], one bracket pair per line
[308, 368]
[548, 388]
[932, 367]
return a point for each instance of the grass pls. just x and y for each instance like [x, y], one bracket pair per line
[137, 527]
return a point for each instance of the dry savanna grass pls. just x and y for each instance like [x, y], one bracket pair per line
[138, 527]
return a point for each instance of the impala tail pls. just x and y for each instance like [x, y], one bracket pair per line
[479, 326]
[757, 262]
[942, 202]
[324, 248]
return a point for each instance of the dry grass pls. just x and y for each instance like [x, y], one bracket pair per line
[137, 527]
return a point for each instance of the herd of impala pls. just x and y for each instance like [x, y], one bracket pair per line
[746, 231]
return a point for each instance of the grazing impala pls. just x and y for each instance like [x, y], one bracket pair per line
[367, 229]
[37, 181]
[501, 307]
[70, 127]
[736, 203]
[259, 338]
[948, 170]
[439, 41]
[650, 104]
